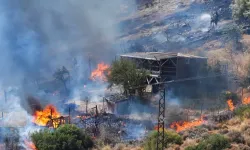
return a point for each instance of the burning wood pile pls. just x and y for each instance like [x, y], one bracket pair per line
[50, 117]
[99, 73]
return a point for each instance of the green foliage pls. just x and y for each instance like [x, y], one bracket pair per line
[66, 137]
[124, 72]
[241, 9]
[213, 142]
[171, 137]
[243, 111]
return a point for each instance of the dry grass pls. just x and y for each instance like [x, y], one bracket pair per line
[173, 147]
[234, 121]
[244, 126]
[136, 148]
[120, 146]
[107, 147]
[188, 142]
[247, 140]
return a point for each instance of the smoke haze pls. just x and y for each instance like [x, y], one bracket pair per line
[39, 36]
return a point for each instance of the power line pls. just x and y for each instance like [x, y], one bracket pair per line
[180, 80]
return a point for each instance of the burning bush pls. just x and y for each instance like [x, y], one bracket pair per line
[227, 95]
[171, 137]
[66, 137]
[213, 142]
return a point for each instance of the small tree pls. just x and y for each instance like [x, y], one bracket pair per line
[213, 142]
[124, 72]
[66, 137]
[241, 9]
[171, 137]
[63, 76]
[226, 95]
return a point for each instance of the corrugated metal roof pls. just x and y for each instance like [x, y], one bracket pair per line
[158, 55]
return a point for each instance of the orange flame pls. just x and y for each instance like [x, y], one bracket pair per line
[99, 72]
[30, 145]
[246, 100]
[230, 105]
[41, 118]
[156, 128]
[186, 125]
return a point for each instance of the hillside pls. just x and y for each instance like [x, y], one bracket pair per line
[177, 25]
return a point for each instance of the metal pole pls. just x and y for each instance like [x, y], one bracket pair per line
[87, 100]
[96, 124]
[69, 115]
[51, 113]
[161, 117]
[103, 105]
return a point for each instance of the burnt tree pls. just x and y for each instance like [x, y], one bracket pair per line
[62, 75]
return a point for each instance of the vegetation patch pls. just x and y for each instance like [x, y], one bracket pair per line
[66, 137]
[213, 142]
[171, 137]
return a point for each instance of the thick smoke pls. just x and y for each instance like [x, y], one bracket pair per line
[39, 36]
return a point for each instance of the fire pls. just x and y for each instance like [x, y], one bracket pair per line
[156, 128]
[246, 100]
[230, 105]
[41, 118]
[186, 125]
[99, 72]
[30, 145]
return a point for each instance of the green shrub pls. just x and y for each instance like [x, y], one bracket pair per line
[241, 9]
[171, 137]
[243, 111]
[213, 142]
[66, 137]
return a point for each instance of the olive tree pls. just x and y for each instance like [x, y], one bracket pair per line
[124, 72]
[241, 9]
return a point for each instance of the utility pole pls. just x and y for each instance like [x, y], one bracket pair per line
[96, 123]
[87, 102]
[161, 117]
[69, 115]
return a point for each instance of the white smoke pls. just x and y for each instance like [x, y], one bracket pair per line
[38, 37]
[205, 22]
[202, 22]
